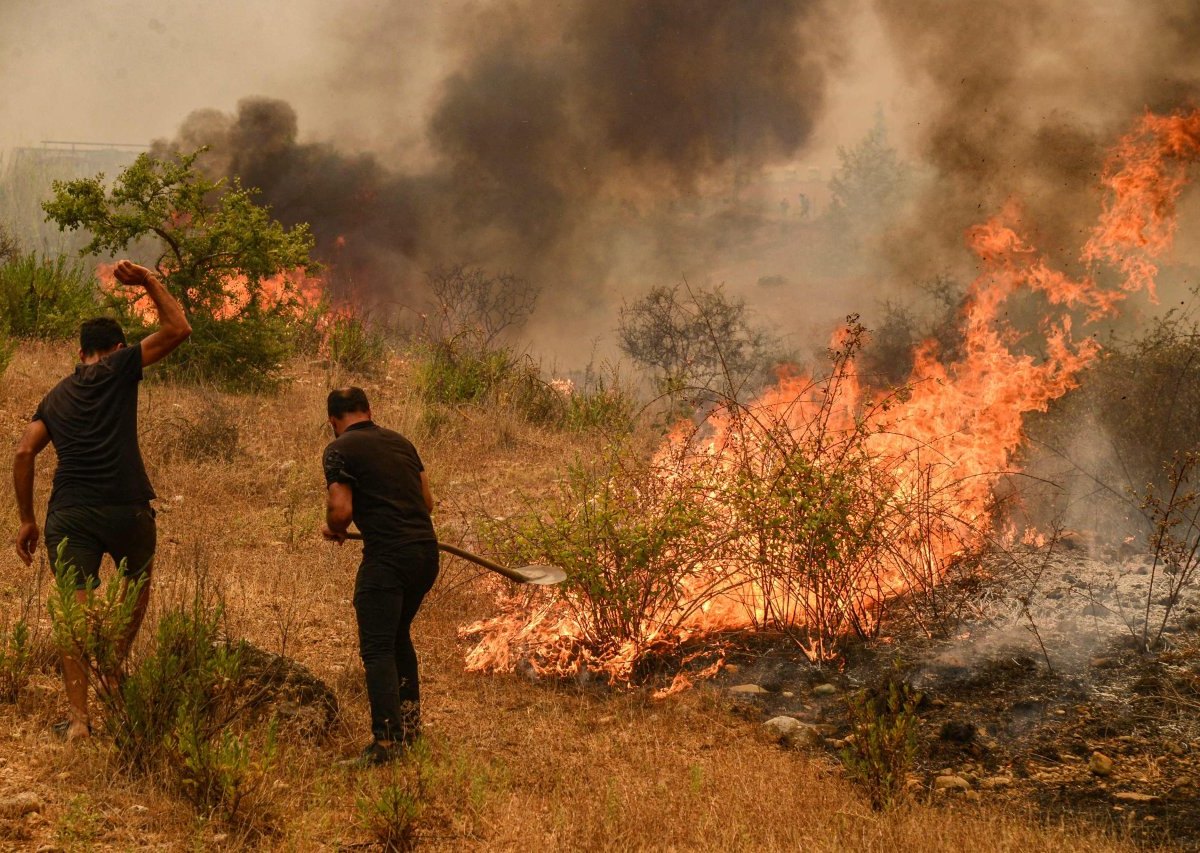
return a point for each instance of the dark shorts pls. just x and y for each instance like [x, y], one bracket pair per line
[126, 533]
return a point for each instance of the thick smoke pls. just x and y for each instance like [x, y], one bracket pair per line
[1021, 100]
[555, 135]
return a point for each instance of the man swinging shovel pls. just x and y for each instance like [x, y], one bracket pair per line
[375, 478]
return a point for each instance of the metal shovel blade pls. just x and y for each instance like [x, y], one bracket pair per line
[541, 575]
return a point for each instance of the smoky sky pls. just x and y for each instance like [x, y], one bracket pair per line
[590, 146]
[1021, 99]
[544, 119]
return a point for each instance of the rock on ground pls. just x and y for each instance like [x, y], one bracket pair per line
[792, 732]
[19, 805]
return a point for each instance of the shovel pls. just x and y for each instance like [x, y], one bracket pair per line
[540, 575]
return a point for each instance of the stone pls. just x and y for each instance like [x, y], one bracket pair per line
[748, 690]
[995, 783]
[1134, 797]
[824, 690]
[20, 804]
[951, 784]
[957, 731]
[1100, 764]
[792, 732]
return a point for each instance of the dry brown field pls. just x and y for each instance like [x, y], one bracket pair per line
[516, 765]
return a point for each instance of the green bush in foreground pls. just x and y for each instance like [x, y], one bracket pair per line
[16, 660]
[884, 745]
[177, 710]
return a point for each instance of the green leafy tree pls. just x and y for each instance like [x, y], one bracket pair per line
[217, 248]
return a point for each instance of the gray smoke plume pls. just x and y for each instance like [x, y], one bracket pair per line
[555, 134]
[1022, 100]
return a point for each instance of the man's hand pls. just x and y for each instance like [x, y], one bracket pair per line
[27, 541]
[331, 535]
[131, 275]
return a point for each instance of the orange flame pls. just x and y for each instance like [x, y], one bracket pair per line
[294, 292]
[938, 450]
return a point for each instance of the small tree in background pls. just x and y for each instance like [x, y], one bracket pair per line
[473, 303]
[695, 341]
[870, 186]
[218, 247]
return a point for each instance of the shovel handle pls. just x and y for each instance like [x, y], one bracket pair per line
[467, 555]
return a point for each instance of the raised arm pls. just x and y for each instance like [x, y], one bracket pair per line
[173, 327]
[32, 443]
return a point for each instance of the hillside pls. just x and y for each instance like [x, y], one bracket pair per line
[512, 763]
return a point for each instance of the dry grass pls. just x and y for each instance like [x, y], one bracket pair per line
[515, 765]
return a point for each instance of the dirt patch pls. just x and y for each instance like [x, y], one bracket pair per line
[1017, 704]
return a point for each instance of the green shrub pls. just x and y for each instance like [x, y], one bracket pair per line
[16, 660]
[629, 541]
[456, 372]
[602, 404]
[353, 345]
[220, 770]
[92, 628]
[48, 297]
[884, 744]
[243, 355]
[7, 347]
[177, 710]
[393, 812]
[450, 372]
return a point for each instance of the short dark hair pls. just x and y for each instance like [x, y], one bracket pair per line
[346, 400]
[100, 334]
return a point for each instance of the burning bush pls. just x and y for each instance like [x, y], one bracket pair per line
[785, 514]
[222, 256]
[634, 545]
[814, 506]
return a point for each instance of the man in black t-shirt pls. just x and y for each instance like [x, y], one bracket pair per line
[375, 479]
[100, 500]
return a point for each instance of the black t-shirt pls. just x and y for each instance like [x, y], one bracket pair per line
[92, 419]
[384, 471]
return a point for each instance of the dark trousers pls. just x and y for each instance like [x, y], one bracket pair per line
[387, 594]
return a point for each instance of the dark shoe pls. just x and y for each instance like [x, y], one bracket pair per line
[377, 754]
